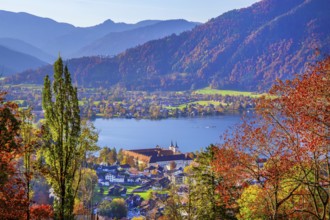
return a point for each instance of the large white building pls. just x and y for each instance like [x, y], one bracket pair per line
[159, 157]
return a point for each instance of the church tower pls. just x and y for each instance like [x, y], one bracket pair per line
[174, 148]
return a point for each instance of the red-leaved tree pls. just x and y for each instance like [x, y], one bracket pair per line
[13, 202]
[284, 152]
[41, 212]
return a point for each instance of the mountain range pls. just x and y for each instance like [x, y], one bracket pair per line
[45, 39]
[8, 62]
[243, 49]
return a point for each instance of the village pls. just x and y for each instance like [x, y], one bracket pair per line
[146, 190]
[117, 102]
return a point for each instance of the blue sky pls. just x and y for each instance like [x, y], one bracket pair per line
[91, 12]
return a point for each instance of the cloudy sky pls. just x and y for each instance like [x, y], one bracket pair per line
[91, 12]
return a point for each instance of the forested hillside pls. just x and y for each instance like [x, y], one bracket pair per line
[242, 49]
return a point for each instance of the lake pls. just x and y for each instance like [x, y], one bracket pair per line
[191, 134]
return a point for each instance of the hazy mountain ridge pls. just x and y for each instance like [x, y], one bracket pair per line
[241, 49]
[8, 64]
[31, 29]
[45, 38]
[23, 47]
[54, 37]
[70, 43]
[116, 42]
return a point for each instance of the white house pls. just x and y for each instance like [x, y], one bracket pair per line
[114, 179]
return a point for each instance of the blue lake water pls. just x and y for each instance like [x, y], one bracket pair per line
[191, 134]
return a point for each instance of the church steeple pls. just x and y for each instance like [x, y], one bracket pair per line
[174, 148]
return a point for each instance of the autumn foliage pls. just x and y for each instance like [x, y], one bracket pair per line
[277, 165]
[41, 212]
[13, 202]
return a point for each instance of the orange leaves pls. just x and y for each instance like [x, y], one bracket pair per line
[39, 212]
[13, 202]
[291, 134]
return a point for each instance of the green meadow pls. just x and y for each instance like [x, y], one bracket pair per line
[209, 91]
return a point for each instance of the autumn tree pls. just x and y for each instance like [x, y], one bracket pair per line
[108, 155]
[284, 151]
[13, 201]
[301, 111]
[174, 207]
[86, 187]
[40, 212]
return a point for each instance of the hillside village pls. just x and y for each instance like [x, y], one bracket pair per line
[163, 167]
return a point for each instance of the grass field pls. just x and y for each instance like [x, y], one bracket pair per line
[98, 195]
[209, 91]
[205, 103]
[145, 194]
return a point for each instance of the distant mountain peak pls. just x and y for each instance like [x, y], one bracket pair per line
[108, 21]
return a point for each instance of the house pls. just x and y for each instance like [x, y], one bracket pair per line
[117, 190]
[107, 168]
[114, 178]
[161, 184]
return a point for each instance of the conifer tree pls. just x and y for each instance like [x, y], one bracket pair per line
[62, 153]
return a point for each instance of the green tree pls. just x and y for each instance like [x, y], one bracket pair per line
[88, 139]
[29, 142]
[206, 202]
[200, 200]
[62, 153]
[115, 209]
